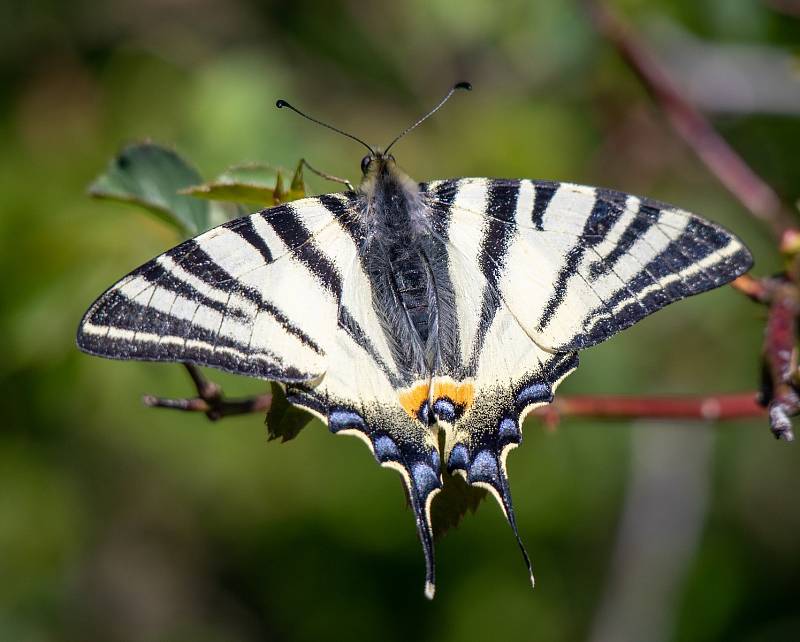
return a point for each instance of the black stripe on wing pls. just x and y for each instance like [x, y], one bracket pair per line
[156, 274]
[608, 207]
[292, 230]
[543, 194]
[170, 316]
[681, 254]
[637, 228]
[689, 264]
[172, 339]
[499, 230]
[344, 214]
[723, 255]
[244, 227]
[193, 259]
[296, 236]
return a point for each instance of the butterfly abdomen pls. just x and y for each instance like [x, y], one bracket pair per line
[399, 252]
[411, 284]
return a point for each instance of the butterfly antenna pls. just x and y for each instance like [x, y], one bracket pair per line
[280, 104]
[459, 85]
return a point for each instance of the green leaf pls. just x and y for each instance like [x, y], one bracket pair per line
[284, 420]
[254, 183]
[152, 176]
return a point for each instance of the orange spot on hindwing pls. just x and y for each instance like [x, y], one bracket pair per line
[459, 393]
[412, 398]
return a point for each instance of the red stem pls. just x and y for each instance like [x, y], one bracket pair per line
[781, 294]
[780, 356]
[701, 407]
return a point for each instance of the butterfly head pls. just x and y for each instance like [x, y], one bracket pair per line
[374, 162]
[379, 163]
[379, 172]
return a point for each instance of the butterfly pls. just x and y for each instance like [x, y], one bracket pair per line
[427, 319]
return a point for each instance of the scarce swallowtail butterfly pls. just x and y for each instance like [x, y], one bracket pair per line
[401, 311]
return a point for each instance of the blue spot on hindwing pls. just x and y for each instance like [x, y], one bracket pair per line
[445, 410]
[342, 419]
[484, 468]
[425, 478]
[508, 431]
[535, 393]
[385, 449]
[459, 458]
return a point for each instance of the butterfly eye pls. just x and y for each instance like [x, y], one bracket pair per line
[365, 163]
[391, 158]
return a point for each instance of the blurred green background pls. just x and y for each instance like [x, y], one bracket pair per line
[119, 522]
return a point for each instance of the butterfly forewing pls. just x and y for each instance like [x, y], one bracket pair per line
[239, 297]
[582, 263]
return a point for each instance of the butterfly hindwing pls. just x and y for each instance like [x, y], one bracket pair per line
[541, 269]
[365, 391]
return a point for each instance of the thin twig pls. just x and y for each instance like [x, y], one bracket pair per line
[723, 161]
[693, 407]
[759, 290]
[210, 399]
[781, 382]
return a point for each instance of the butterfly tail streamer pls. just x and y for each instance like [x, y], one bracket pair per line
[405, 445]
[488, 471]
[422, 481]
[508, 509]
[420, 505]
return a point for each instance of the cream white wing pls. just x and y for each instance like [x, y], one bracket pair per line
[576, 264]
